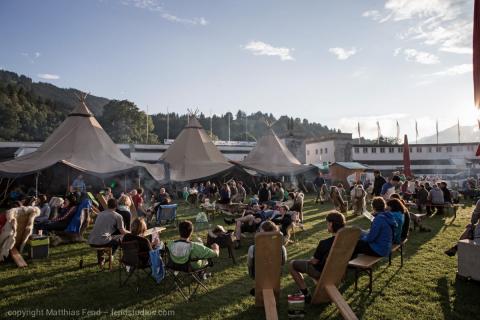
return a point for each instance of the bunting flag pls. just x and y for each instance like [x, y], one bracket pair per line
[476, 53]
[358, 129]
[398, 132]
[379, 133]
[416, 131]
[458, 129]
[406, 158]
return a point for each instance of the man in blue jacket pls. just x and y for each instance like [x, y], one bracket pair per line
[378, 241]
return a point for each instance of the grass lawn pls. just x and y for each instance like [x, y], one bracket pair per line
[424, 288]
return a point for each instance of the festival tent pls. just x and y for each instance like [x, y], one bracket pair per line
[271, 157]
[82, 144]
[193, 156]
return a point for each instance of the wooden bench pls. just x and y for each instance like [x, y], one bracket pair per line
[268, 266]
[366, 263]
[334, 270]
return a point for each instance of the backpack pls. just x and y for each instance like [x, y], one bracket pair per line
[157, 265]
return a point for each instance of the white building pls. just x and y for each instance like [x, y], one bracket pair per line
[426, 159]
[330, 148]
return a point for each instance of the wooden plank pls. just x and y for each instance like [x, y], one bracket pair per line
[342, 305]
[269, 304]
[17, 258]
[337, 261]
[363, 261]
[149, 232]
[268, 264]
[102, 200]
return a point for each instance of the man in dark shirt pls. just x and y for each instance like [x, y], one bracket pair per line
[447, 197]
[314, 266]
[378, 183]
[319, 182]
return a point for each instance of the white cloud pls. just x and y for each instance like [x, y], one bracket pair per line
[420, 56]
[155, 6]
[48, 76]
[397, 51]
[374, 14]
[343, 54]
[260, 48]
[31, 57]
[455, 70]
[445, 24]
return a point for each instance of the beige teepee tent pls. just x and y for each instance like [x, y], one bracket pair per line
[80, 143]
[271, 157]
[193, 156]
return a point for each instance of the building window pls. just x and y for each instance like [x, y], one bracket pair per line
[400, 150]
[365, 150]
[316, 151]
[459, 149]
[419, 149]
[470, 148]
[391, 150]
[326, 150]
[411, 149]
[430, 149]
[449, 149]
[374, 150]
[356, 150]
[438, 149]
[321, 151]
[382, 150]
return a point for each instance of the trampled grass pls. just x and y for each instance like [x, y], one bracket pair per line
[424, 288]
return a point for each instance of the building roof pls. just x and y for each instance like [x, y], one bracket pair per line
[81, 143]
[351, 165]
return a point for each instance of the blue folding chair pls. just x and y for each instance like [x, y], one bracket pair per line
[167, 213]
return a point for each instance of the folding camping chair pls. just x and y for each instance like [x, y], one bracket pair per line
[167, 213]
[184, 275]
[334, 271]
[268, 269]
[130, 263]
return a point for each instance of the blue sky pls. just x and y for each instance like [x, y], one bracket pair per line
[333, 62]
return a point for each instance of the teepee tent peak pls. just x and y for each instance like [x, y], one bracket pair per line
[81, 109]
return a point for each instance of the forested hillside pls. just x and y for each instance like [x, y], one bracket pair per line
[30, 111]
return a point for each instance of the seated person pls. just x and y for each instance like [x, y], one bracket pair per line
[314, 266]
[163, 197]
[435, 200]
[399, 212]
[283, 218]
[183, 250]
[378, 241]
[472, 230]
[264, 194]
[267, 226]
[42, 203]
[107, 229]
[123, 209]
[65, 215]
[138, 228]
[248, 223]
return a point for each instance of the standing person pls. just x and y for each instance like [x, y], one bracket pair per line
[78, 185]
[314, 266]
[319, 182]
[378, 241]
[359, 202]
[225, 194]
[422, 198]
[447, 196]
[378, 183]
[137, 198]
[107, 230]
[390, 187]
[337, 200]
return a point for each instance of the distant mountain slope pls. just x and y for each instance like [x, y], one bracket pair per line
[450, 135]
[49, 91]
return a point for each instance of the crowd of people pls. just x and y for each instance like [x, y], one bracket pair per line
[272, 208]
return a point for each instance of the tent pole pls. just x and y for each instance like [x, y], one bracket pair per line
[68, 181]
[36, 184]
[125, 183]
